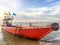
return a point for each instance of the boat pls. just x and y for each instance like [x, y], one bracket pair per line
[32, 32]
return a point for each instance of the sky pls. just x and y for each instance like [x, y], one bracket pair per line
[32, 10]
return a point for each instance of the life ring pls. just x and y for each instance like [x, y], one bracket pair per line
[55, 26]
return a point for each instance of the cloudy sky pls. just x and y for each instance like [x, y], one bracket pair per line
[32, 10]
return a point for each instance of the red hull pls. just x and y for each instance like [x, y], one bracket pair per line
[34, 33]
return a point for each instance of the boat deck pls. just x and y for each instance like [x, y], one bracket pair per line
[33, 27]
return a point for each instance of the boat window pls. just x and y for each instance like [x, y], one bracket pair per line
[4, 22]
[9, 21]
